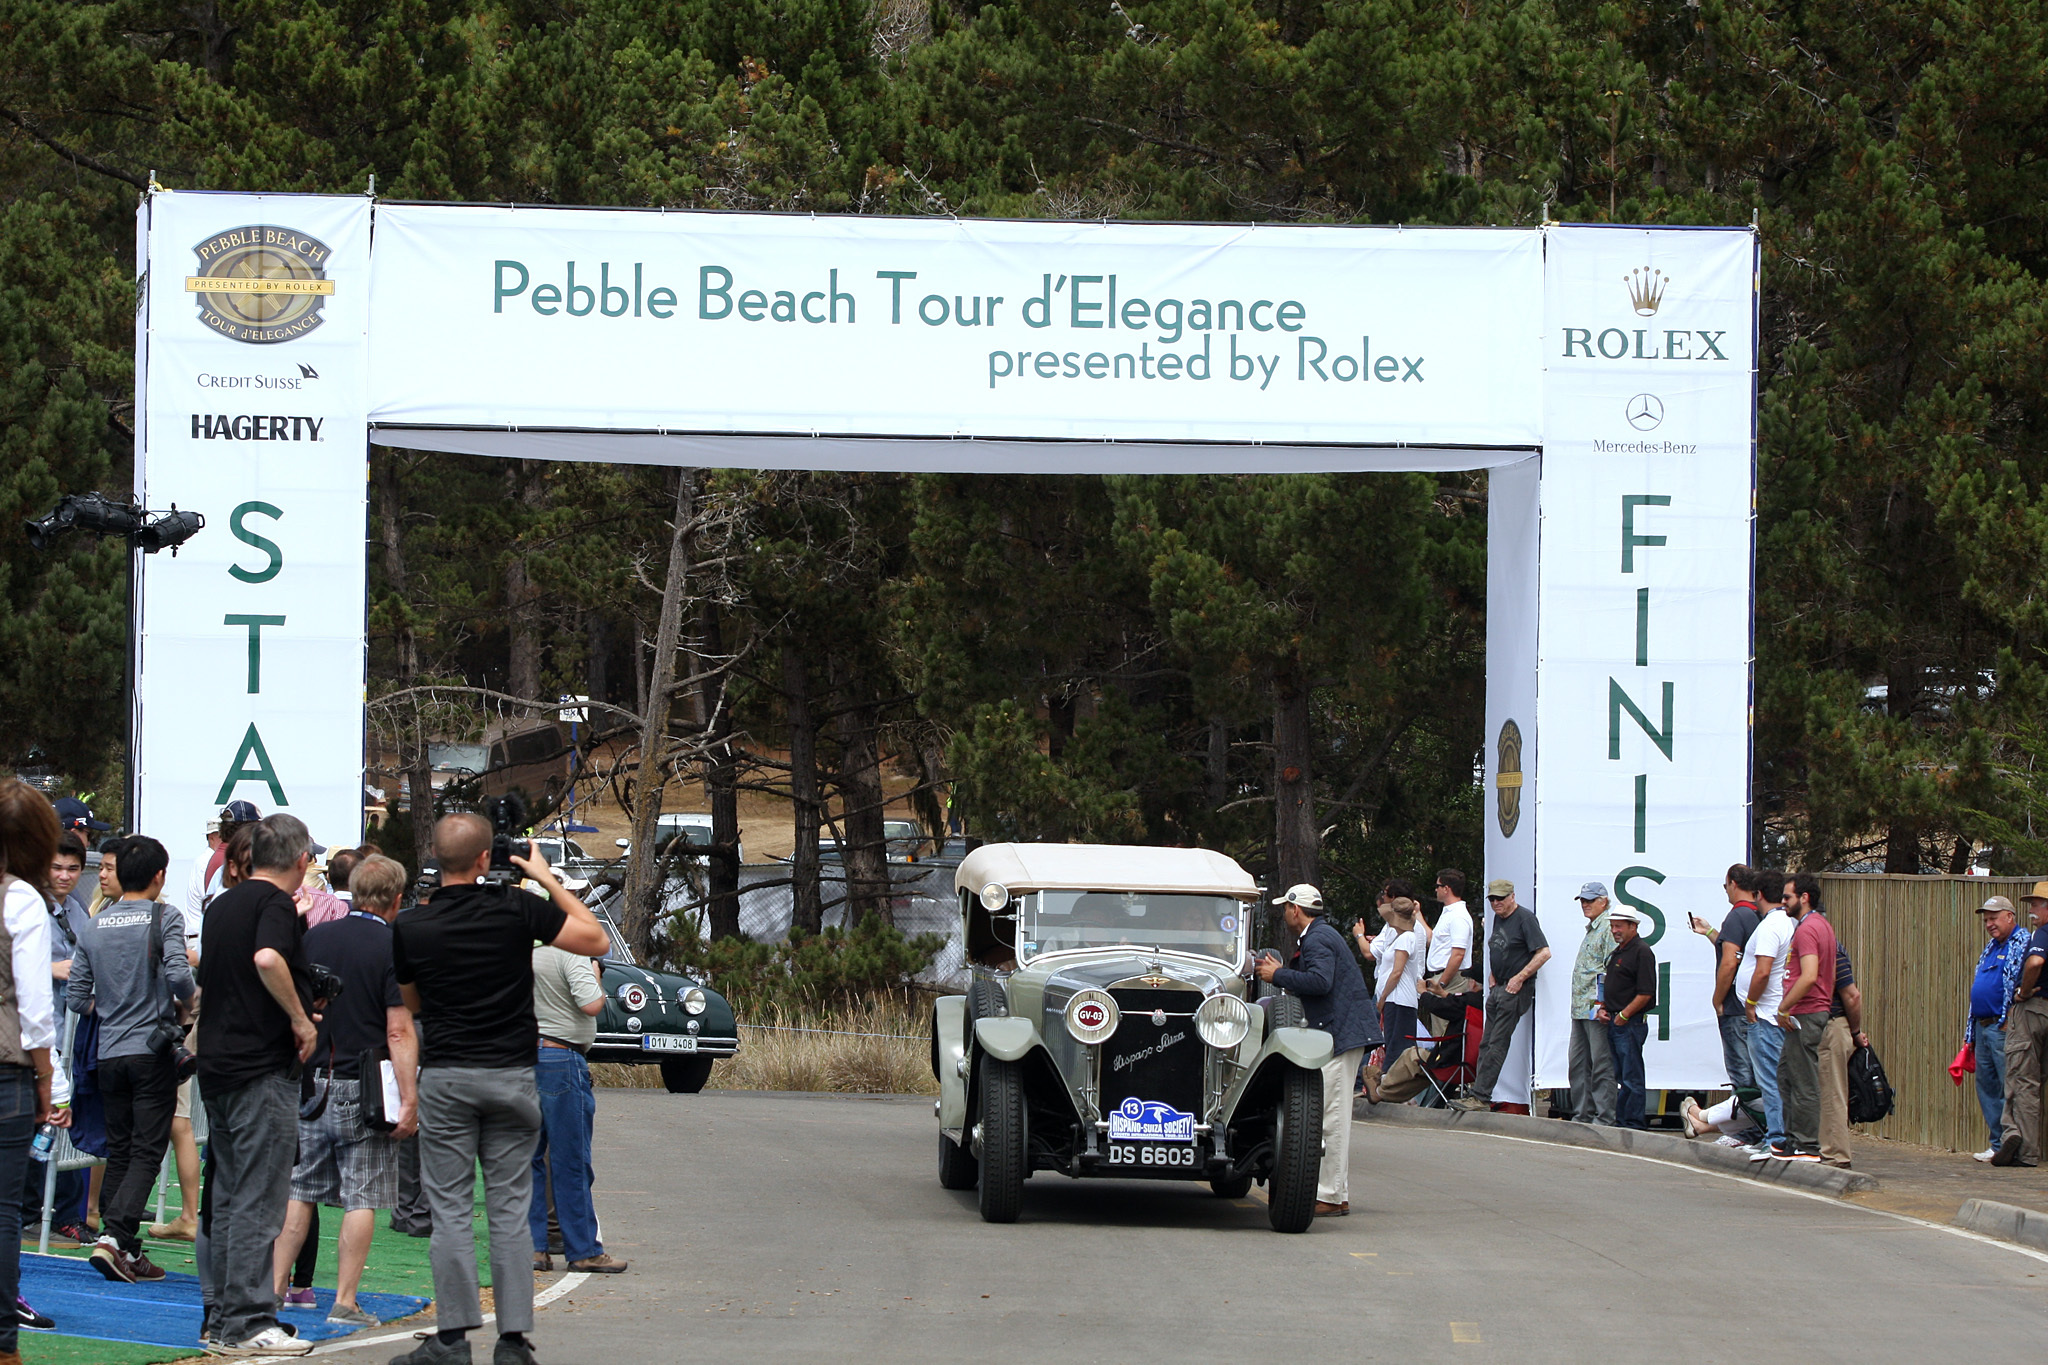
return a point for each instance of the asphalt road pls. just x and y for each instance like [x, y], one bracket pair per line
[812, 1228]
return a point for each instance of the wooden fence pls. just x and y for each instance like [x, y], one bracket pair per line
[1914, 942]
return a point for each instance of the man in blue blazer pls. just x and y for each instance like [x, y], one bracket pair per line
[1325, 976]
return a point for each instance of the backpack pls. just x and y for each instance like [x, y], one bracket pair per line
[1870, 1090]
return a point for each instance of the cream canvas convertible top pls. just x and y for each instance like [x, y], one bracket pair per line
[1104, 867]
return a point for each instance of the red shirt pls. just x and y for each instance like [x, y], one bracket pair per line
[1814, 937]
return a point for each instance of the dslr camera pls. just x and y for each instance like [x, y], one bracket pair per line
[323, 984]
[507, 815]
[169, 1038]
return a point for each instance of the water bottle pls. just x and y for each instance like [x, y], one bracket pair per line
[44, 1143]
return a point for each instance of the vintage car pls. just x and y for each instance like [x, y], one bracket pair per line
[1106, 1032]
[659, 1018]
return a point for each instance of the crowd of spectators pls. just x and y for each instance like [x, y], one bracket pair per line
[345, 1049]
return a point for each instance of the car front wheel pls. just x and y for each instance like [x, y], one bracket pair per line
[1003, 1141]
[958, 1170]
[685, 1075]
[1297, 1151]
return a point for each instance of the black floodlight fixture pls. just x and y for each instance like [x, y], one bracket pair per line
[94, 514]
[168, 530]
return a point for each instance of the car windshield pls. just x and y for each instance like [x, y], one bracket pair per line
[459, 758]
[1054, 921]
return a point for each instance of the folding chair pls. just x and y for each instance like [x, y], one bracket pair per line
[1457, 1074]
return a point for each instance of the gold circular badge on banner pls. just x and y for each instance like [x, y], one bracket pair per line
[1507, 779]
[261, 284]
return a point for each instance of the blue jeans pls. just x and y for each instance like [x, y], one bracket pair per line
[1735, 1051]
[1626, 1041]
[1766, 1044]
[1397, 1022]
[1990, 1043]
[568, 1110]
[17, 1127]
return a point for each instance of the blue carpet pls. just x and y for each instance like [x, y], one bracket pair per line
[167, 1311]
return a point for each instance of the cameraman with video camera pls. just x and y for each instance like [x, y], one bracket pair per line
[130, 969]
[464, 962]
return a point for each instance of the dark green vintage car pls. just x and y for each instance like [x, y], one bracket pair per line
[660, 1019]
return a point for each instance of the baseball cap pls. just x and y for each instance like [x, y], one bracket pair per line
[2039, 893]
[1498, 887]
[73, 813]
[240, 813]
[1994, 906]
[1303, 895]
[1592, 891]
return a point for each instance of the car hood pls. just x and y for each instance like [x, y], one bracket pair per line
[662, 1012]
[1065, 974]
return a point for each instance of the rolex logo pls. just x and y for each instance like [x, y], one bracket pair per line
[1646, 290]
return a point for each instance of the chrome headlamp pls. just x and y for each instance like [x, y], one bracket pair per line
[1091, 1016]
[994, 897]
[1223, 1021]
[693, 1000]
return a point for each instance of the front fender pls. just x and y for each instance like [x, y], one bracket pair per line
[1008, 1039]
[1259, 1086]
[949, 1055]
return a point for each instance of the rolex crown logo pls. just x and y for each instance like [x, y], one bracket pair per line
[1646, 289]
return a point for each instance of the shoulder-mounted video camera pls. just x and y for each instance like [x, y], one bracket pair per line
[507, 815]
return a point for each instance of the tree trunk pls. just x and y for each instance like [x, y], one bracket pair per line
[722, 864]
[863, 853]
[650, 777]
[1217, 765]
[1902, 697]
[806, 903]
[1296, 849]
[419, 772]
[522, 603]
[597, 634]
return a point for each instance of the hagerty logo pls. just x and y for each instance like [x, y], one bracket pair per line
[254, 427]
[1507, 779]
[261, 284]
[1137, 1120]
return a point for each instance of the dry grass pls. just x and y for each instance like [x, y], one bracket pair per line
[880, 1049]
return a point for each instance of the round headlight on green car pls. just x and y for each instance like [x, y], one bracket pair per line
[1223, 1021]
[694, 1000]
[1091, 1016]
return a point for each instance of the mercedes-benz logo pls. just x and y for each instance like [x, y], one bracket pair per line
[1645, 412]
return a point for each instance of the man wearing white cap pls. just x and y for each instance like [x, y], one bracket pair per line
[1326, 978]
[1631, 991]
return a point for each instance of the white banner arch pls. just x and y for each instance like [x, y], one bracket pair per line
[1605, 374]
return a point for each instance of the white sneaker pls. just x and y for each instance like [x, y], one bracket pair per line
[1985, 1155]
[271, 1341]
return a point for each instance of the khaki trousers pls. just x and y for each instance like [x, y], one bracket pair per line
[1836, 1045]
[1334, 1187]
[2026, 1051]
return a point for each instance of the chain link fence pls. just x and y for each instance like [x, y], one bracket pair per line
[921, 901]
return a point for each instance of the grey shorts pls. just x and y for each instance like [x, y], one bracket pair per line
[342, 1163]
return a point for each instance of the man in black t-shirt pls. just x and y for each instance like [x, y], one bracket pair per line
[1742, 886]
[464, 963]
[343, 1162]
[254, 1032]
[1515, 952]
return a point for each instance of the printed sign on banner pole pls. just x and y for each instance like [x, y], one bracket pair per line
[250, 671]
[1644, 611]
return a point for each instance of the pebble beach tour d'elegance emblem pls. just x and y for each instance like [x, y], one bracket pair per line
[261, 284]
[1507, 779]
